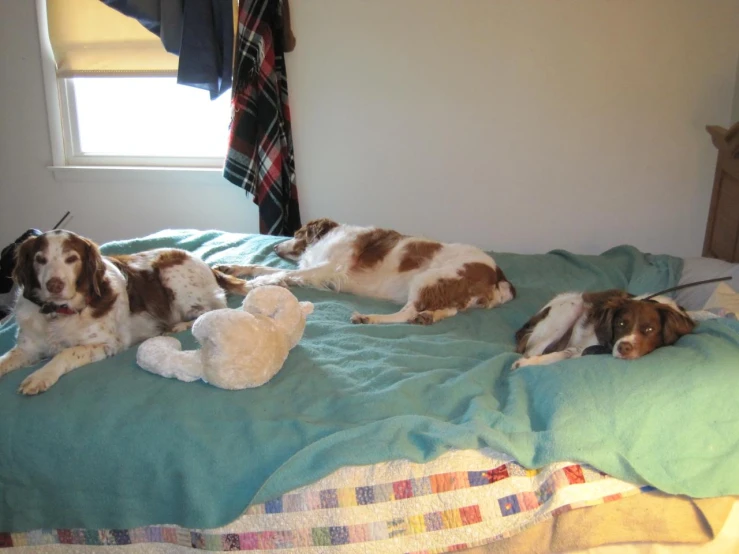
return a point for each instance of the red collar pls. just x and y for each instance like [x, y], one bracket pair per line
[52, 308]
[63, 309]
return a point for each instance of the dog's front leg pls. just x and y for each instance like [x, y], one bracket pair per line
[16, 358]
[546, 359]
[64, 362]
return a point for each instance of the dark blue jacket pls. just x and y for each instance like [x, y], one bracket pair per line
[200, 32]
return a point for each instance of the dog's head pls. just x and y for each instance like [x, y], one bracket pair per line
[59, 267]
[632, 327]
[308, 234]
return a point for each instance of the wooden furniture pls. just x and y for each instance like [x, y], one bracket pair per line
[722, 230]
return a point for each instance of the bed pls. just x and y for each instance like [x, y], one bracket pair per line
[389, 438]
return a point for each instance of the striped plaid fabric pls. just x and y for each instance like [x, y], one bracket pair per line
[260, 157]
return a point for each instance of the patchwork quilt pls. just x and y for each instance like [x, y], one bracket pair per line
[461, 499]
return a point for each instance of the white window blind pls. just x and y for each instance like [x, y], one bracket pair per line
[90, 38]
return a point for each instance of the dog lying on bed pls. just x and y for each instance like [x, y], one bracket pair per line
[611, 321]
[433, 280]
[80, 307]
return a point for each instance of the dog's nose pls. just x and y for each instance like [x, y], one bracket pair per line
[55, 285]
[625, 348]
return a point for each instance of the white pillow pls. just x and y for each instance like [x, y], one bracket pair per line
[698, 269]
[724, 298]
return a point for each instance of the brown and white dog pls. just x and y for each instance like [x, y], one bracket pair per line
[626, 326]
[79, 307]
[433, 280]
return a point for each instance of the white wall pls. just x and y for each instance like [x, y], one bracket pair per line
[516, 125]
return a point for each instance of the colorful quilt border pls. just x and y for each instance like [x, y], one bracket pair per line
[348, 497]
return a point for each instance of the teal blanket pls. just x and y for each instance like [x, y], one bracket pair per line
[112, 446]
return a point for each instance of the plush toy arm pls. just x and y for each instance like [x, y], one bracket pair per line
[306, 308]
[164, 356]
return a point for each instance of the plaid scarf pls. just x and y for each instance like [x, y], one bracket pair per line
[260, 157]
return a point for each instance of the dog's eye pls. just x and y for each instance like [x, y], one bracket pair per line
[648, 330]
[621, 323]
[72, 259]
[40, 260]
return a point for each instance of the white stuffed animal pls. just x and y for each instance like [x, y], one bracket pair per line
[239, 349]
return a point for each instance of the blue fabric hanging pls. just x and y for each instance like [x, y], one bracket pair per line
[200, 32]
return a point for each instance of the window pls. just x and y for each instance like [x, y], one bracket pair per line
[142, 121]
[113, 99]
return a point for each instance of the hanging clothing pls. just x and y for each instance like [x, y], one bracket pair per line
[260, 157]
[200, 32]
[206, 48]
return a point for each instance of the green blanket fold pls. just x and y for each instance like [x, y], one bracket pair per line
[112, 446]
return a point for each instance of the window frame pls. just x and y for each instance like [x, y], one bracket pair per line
[67, 161]
[73, 151]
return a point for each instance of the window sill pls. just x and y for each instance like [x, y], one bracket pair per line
[127, 174]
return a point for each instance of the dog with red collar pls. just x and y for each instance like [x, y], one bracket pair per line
[78, 306]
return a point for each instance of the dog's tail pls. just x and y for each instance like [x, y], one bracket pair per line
[231, 284]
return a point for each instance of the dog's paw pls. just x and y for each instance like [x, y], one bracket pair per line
[359, 318]
[227, 269]
[179, 327]
[37, 383]
[521, 362]
[423, 318]
[268, 280]
[241, 271]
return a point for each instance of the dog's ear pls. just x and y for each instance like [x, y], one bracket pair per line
[605, 314]
[92, 273]
[675, 323]
[24, 273]
[317, 228]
